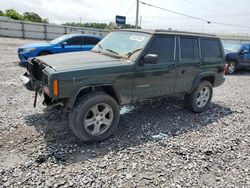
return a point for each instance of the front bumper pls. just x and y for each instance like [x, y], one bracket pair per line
[27, 82]
[22, 58]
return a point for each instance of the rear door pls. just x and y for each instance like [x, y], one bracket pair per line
[189, 62]
[152, 80]
[245, 56]
[89, 43]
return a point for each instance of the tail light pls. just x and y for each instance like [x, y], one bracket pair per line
[225, 68]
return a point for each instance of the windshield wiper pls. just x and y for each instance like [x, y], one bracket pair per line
[116, 54]
[131, 53]
[112, 51]
[100, 46]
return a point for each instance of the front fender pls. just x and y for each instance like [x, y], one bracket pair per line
[71, 101]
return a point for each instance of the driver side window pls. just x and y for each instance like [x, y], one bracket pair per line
[164, 47]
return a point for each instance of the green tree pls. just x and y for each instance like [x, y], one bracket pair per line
[1, 13]
[33, 17]
[46, 20]
[88, 25]
[12, 13]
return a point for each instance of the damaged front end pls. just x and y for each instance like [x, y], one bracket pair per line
[40, 78]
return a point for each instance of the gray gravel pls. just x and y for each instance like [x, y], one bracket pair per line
[211, 149]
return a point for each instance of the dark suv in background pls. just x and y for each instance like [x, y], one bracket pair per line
[125, 67]
[238, 59]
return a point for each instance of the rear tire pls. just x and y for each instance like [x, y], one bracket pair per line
[95, 117]
[199, 99]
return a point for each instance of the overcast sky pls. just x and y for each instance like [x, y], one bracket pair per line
[223, 11]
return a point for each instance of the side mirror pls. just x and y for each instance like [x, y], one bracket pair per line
[244, 51]
[63, 44]
[150, 59]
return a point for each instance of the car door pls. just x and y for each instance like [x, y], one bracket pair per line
[72, 44]
[152, 80]
[188, 64]
[89, 43]
[245, 56]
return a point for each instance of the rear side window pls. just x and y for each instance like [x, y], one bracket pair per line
[91, 41]
[75, 41]
[189, 48]
[211, 48]
[164, 47]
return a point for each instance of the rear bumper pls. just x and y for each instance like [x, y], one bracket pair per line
[219, 81]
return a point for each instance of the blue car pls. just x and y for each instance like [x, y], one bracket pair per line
[239, 58]
[65, 43]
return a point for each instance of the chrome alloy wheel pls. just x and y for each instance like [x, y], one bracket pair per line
[231, 68]
[98, 119]
[203, 97]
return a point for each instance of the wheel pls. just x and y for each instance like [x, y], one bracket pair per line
[95, 117]
[199, 99]
[231, 67]
[44, 53]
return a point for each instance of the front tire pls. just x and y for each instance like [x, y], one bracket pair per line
[231, 67]
[199, 99]
[95, 117]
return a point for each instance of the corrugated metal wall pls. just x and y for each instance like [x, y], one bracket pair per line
[30, 30]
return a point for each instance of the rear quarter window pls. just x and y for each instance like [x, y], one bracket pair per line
[211, 48]
[91, 41]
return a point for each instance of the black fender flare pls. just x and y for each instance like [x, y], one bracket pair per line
[198, 78]
[72, 100]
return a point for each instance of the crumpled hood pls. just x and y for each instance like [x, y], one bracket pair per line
[79, 60]
[35, 45]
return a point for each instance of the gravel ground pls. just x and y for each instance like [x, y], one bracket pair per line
[211, 149]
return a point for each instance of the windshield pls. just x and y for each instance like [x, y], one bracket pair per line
[123, 44]
[231, 46]
[60, 39]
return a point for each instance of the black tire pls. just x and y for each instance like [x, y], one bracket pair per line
[231, 67]
[82, 109]
[191, 100]
[44, 53]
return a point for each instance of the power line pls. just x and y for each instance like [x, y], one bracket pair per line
[130, 8]
[121, 2]
[226, 5]
[193, 17]
[197, 5]
[181, 14]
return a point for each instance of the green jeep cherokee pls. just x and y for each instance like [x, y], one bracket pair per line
[125, 67]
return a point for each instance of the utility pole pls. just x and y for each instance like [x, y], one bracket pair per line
[137, 14]
[140, 21]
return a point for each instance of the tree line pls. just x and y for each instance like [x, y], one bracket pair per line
[26, 16]
[111, 25]
[34, 17]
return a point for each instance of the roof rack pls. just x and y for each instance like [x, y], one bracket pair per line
[182, 32]
[162, 31]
